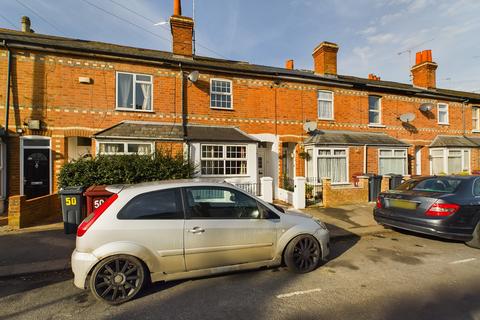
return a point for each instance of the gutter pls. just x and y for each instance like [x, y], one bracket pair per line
[7, 114]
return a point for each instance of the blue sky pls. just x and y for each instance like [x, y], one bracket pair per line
[370, 33]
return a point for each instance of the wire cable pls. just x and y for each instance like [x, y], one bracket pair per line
[39, 16]
[166, 28]
[6, 19]
[127, 21]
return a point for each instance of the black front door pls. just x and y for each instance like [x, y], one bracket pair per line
[36, 172]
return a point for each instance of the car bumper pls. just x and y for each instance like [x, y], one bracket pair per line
[433, 227]
[323, 237]
[82, 263]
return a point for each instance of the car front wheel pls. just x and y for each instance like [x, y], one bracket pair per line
[117, 279]
[302, 254]
[475, 242]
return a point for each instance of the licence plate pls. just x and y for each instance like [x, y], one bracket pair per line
[402, 204]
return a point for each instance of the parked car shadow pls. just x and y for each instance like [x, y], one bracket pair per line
[424, 236]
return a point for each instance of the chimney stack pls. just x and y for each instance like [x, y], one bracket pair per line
[424, 70]
[182, 31]
[26, 24]
[372, 76]
[289, 64]
[325, 58]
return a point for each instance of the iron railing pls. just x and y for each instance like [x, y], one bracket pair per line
[251, 187]
[313, 191]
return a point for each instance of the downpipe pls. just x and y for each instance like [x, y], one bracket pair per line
[7, 115]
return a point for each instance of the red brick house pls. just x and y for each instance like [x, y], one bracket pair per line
[62, 98]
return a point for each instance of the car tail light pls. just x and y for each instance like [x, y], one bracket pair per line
[442, 209]
[379, 203]
[92, 217]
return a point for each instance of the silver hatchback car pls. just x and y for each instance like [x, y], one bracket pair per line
[182, 229]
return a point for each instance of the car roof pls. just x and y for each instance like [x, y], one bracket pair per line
[458, 177]
[165, 184]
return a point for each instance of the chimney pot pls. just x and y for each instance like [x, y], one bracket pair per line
[177, 8]
[289, 64]
[26, 24]
[325, 58]
[424, 70]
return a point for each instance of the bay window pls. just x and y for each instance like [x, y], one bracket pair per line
[115, 147]
[392, 161]
[449, 161]
[222, 160]
[332, 163]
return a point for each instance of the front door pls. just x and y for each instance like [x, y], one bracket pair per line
[36, 171]
[261, 162]
[224, 227]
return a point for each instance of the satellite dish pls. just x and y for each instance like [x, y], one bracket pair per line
[425, 107]
[310, 126]
[407, 117]
[193, 76]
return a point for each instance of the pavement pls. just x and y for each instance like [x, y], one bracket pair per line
[47, 248]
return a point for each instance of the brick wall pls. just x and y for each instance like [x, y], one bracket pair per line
[334, 196]
[46, 87]
[26, 213]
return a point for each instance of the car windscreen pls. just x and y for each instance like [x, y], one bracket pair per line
[435, 184]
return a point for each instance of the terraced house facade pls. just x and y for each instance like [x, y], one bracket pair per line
[63, 99]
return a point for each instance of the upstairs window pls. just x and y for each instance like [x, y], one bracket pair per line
[221, 94]
[134, 91]
[374, 110]
[442, 113]
[325, 105]
[476, 118]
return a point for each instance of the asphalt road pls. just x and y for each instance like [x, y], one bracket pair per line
[390, 276]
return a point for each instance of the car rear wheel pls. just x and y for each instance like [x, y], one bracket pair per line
[117, 279]
[475, 242]
[302, 254]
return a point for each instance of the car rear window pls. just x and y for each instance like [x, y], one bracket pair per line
[437, 184]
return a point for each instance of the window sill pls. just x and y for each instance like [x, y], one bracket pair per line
[223, 109]
[476, 131]
[443, 124]
[375, 125]
[134, 110]
[326, 119]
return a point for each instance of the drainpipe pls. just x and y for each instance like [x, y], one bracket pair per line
[184, 110]
[7, 111]
[365, 159]
[464, 107]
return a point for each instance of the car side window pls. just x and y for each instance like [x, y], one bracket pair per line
[220, 203]
[476, 188]
[155, 205]
[266, 213]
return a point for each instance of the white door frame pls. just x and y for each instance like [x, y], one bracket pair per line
[22, 147]
[418, 160]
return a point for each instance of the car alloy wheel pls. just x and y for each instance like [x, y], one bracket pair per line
[302, 254]
[117, 279]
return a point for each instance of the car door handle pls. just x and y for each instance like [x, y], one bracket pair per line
[196, 230]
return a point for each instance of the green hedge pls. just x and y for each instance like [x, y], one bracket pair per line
[118, 169]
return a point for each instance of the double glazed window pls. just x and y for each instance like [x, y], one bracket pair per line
[134, 91]
[124, 148]
[374, 110]
[332, 163]
[221, 94]
[449, 161]
[223, 159]
[392, 161]
[325, 105]
[442, 113]
[476, 118]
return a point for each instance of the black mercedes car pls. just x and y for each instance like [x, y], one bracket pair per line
[444, 206]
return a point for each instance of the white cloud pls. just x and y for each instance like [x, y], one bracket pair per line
[368, 30]
[364, 53]
[382, 38]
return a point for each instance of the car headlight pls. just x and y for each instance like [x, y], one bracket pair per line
[321, 224]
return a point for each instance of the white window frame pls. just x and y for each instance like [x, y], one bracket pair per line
[224, 159]
[445, 105]
[445, 154]
[22, 147]
[221, 93]
[379, 123]
[134, 82]
[125, 146]
[392, 150]
[332, 101]
[476, 118]
[316, 155]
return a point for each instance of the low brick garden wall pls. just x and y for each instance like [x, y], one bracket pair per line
[27, 213]
[334, 196]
